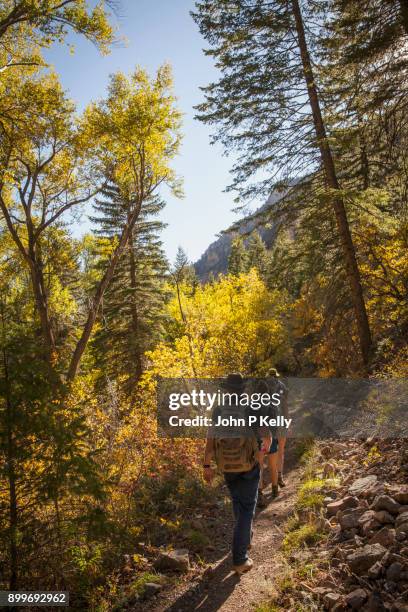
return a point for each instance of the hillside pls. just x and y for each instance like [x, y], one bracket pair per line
[215, 259]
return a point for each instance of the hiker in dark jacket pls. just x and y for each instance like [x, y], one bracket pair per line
[238, 458]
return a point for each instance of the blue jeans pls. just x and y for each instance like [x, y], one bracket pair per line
[243, 488]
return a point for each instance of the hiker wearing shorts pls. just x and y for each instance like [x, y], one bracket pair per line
[282, 432]
[239, 460]
[276, 450]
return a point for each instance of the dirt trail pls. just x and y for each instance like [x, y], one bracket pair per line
[223, 590]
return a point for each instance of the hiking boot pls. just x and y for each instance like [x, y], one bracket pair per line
[275, 491]
[244, 567]
[281, 482]
[261, 503]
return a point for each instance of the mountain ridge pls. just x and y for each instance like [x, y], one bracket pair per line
[214, 260]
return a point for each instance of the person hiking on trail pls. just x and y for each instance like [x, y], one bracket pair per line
[238, 457]
[276, 450]
[281, 432]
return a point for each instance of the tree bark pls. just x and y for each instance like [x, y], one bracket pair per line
[41, 301]
[353, 273]
[96, 301]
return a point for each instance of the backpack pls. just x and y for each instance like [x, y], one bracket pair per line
[235, 453]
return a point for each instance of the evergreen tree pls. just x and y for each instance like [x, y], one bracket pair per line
[257, 254]
[374, 29]
[260, 103]
[238, 257]
[183, 271]
[365, 74]
[132, 314]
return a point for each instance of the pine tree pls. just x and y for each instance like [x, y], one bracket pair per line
[257, 254]
[238, 257]
[260, 104]
[183, 271]
[374, 29]
[365, 75]
[132, 317]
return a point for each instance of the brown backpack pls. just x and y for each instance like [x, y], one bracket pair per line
[236, 454]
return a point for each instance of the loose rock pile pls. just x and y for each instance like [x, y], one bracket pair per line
[368, 516]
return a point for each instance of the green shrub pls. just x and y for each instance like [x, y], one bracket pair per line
[138, 585]
[306, 534]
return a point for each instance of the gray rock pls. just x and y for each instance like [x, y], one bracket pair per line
[362, 485]
[368, 515]
[330, 599]
[394, 571]
[385, 502]
[363, 558]
[384, 517]
[356, 598]
[401, 535]
[401, 518]
[368, 523]
[385, 537]
[349, 519]
[341, 504]
[176, 560]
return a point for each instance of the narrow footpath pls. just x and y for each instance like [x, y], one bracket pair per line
[218, 588]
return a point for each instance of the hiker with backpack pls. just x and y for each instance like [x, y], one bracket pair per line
[276, 451]
[238, 457]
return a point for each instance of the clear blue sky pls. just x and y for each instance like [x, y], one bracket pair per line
[158, 31]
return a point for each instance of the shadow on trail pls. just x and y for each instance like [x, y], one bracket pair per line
[208, 594]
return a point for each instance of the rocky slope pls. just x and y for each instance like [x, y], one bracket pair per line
[362, 561]
[215, 259]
